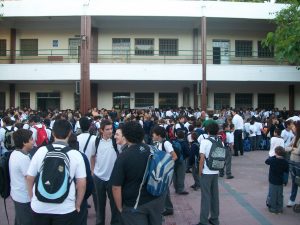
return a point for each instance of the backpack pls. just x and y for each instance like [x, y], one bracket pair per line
[8, 139]
[177, 149]
[93, 129]
[217, 155]
[5, 178]
[170, 133]
[41, 136]
[52, 182]
[158, 173]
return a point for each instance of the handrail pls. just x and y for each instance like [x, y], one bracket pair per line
[182, 56]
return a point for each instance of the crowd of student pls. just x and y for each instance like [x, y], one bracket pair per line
[108, 152]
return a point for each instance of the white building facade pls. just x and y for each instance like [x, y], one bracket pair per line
[143, 53]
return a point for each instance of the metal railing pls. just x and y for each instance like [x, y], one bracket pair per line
[134, 56]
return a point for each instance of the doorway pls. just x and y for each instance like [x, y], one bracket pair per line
[221, 51]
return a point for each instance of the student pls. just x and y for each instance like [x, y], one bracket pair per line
[159, 137]
[194, 161]
[44, 210]
[276, 141]
[278, 166]
[18, 165]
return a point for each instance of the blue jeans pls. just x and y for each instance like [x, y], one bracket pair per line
[294, 185]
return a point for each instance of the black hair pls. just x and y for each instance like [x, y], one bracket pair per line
[72, 141]
[105, 122]
[61, 129]
[85, 123]
[279, 150]
[35, 119]
[194, 136]
[212, 128]
[180, 134]
[21, 136]
[159, 131]
[47, 122]
[133, 132]
[277, 131]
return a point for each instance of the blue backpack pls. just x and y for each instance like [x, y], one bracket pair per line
[158, 174]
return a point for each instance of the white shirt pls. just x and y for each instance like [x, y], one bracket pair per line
[205, 147]
[252, 130]
[82, 139]
[167, 145]
[77, 170]
[105, 159]
[202, 137]
[18, 166]
[229, 137]
[238, 122]
[275, 141]
[246, 127]
[258, 128]
[287, 137]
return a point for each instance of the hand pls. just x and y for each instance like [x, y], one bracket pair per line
[78, 209]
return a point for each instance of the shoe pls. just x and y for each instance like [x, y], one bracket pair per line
[193, 186]
[183, 193]
[230, 177]
[89, 206]
[235, 155]
[221, 175]
[188, 171]
[168, 212]
[290, 204]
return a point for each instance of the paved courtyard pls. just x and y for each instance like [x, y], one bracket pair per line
[242, 199]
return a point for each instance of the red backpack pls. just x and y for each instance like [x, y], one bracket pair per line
[222, 136]
[41, 136]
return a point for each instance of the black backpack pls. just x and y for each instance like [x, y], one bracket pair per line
[217, 155]
[53, 181]
[8, 139]
[5, 178]
[114, 143]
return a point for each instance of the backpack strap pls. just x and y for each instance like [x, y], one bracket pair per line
[87, 142]
[114, 143]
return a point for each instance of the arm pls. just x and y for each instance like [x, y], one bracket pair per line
[173, 155]
[80, 187]
[201, 163]
[117, 193]
[93, 161]
[30, 182]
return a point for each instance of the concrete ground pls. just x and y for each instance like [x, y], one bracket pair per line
[242, 199]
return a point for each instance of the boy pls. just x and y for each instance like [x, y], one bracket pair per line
[278, 166]
[18, 165]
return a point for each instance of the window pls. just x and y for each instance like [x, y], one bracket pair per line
[243, 48]
[74, 47]
[144, 46]
[121, 100]
[24, 100]
[221, 100]
[77, 101]
[243, 101]
[264, 52]
[266, 101]
[167, 100]
[144, 100]
[29, 47]
[121, 46]
[168, 47]
[46, 100]
[2, 101]
[2, 47]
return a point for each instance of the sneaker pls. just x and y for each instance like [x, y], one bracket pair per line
[290, 204]
[230, 177]
[183, 193]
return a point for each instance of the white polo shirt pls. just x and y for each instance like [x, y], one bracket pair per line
[205, 147]
[238, 122]
[105, 159]
[18, 166]
[82, 140]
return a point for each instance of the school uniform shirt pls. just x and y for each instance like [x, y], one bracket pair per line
[18, 166]
[287, 137]
[252, 130]
[167, 146]
[77, 171]
[105, 159]
[202, 137]
[82, 139]
[205, 147]
[229, 137]
[275, 141]
[238, 122]
[258, 128]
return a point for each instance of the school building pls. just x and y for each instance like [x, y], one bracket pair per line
[139, 54]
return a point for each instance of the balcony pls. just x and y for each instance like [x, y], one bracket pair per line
[131, 57]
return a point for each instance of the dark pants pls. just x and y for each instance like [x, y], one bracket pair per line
[179, 176]
[167, 201]
[238, 142]
[83, 214]
[294, 185]
[253, 143]
[258, 142]
[54, 219]
[209, 199]
[146, 214]
[195, 173]
[276, 198]
[103, 190]
[227, 163]
[23, 214]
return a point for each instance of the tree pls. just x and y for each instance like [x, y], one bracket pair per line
[285, 40]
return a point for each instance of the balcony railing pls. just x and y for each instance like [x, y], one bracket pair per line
[132, 56]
